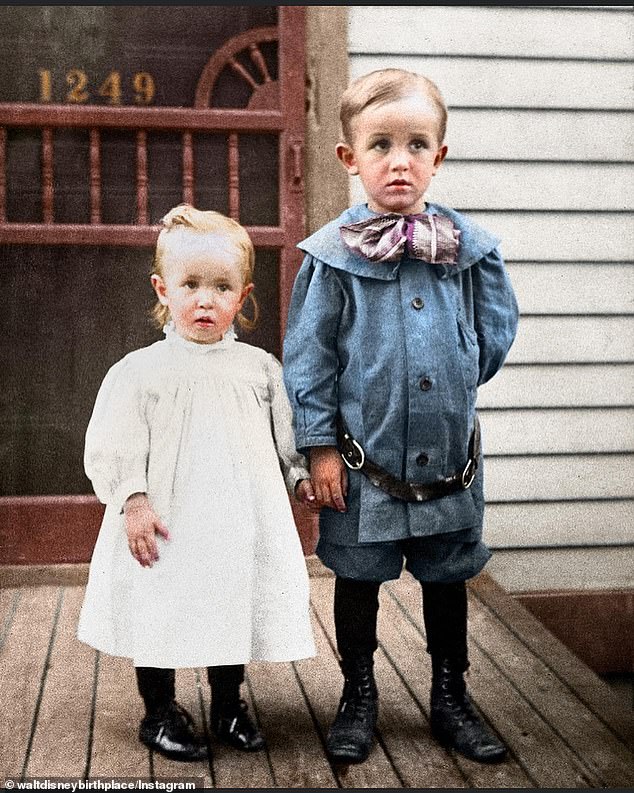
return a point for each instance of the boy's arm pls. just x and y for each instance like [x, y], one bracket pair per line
[311, 361]
[496, 313]
[311, 364]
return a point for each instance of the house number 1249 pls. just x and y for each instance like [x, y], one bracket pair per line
[80, 91]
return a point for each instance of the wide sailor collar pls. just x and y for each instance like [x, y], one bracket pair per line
[326, 245]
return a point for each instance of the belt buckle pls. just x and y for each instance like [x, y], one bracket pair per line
[469, 474]
[356, 448]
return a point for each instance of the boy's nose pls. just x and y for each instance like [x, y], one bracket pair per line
[400, 160]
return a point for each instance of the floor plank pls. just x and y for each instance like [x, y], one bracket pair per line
[64, 713]
[585, 684]
[116, 750]
[592, 742]
[524, 730]
[294, 747]
[22, 666]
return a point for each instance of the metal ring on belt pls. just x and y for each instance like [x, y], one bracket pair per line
[356, 459]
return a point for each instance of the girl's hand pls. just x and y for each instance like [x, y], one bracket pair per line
[141, 524]
[329, 477]
[305, 494]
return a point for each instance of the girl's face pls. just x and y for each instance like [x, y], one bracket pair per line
[395, 150]
[202, 285]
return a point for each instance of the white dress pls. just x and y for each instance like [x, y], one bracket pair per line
[205, 430]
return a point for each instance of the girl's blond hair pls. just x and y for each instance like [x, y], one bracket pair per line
[185, 217]
[387, 85]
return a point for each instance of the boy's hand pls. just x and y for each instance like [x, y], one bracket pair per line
[141, 524]
[305, 494]
[329, 477]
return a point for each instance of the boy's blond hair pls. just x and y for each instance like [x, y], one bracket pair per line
[387, 85]
[186, 218]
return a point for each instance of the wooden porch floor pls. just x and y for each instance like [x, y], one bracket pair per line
[71, 712]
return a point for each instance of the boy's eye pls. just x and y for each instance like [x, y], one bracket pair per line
[382, 144]
[418, 144]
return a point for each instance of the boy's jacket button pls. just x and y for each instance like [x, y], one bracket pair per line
[418, 303]
[422, 459]
[425, 384]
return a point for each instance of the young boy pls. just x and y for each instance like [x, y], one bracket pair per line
[400, 310]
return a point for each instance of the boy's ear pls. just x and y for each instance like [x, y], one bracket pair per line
[159, 287]
[440, 156]
[345, 154]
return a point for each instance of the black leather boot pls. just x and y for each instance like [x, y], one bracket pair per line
[167, 727]
[351, 735]
[169, 731]
[454, 722]
[230, 720]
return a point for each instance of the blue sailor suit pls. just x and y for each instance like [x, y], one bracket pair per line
[399, 349]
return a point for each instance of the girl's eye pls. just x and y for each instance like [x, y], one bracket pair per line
[190, 284]
[224, 287]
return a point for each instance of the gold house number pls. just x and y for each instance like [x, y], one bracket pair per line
[79, 90]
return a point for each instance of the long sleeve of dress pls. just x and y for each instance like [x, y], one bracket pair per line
[495, 313]
[117, 438]
[310, 354]
[292, 463]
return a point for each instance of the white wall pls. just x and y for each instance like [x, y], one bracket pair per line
[541, 152]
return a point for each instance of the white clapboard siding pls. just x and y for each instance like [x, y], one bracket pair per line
[515, 32]
[559, 477]
[523, 84]
[563, 568]
[522, 135]
[591, 385]
[574, 340]
[535, 186]
[588, 288]
[557, 431]
[541, 147]
[561, 236]
[534, 524]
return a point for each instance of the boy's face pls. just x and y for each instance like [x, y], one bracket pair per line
[202, 286]
[395, 151]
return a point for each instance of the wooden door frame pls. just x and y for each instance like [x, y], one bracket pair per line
[62, 529]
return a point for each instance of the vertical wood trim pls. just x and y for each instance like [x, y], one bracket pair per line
[292, 57]
[3, 175]
[234, 177]
[47, 174]
[327, 76]
[95, 177]
[188, 168]
[141, 178]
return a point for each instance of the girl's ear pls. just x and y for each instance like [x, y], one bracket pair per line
[160, 289]
[245, 293]
[345, 154]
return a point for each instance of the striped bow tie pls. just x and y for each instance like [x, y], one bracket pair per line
[385, 238]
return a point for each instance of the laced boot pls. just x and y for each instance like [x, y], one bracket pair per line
[168, 730]
[350, 737]
[454, 722]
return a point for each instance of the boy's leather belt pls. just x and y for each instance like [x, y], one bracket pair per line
[356, 459]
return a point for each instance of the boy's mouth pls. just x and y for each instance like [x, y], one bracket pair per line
[398, 183]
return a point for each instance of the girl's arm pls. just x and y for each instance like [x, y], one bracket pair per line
[117, 438]
[496, 313]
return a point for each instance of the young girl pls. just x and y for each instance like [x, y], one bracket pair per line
[190, 445]
[400, 310]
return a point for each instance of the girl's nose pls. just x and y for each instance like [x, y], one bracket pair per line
[205, 298]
